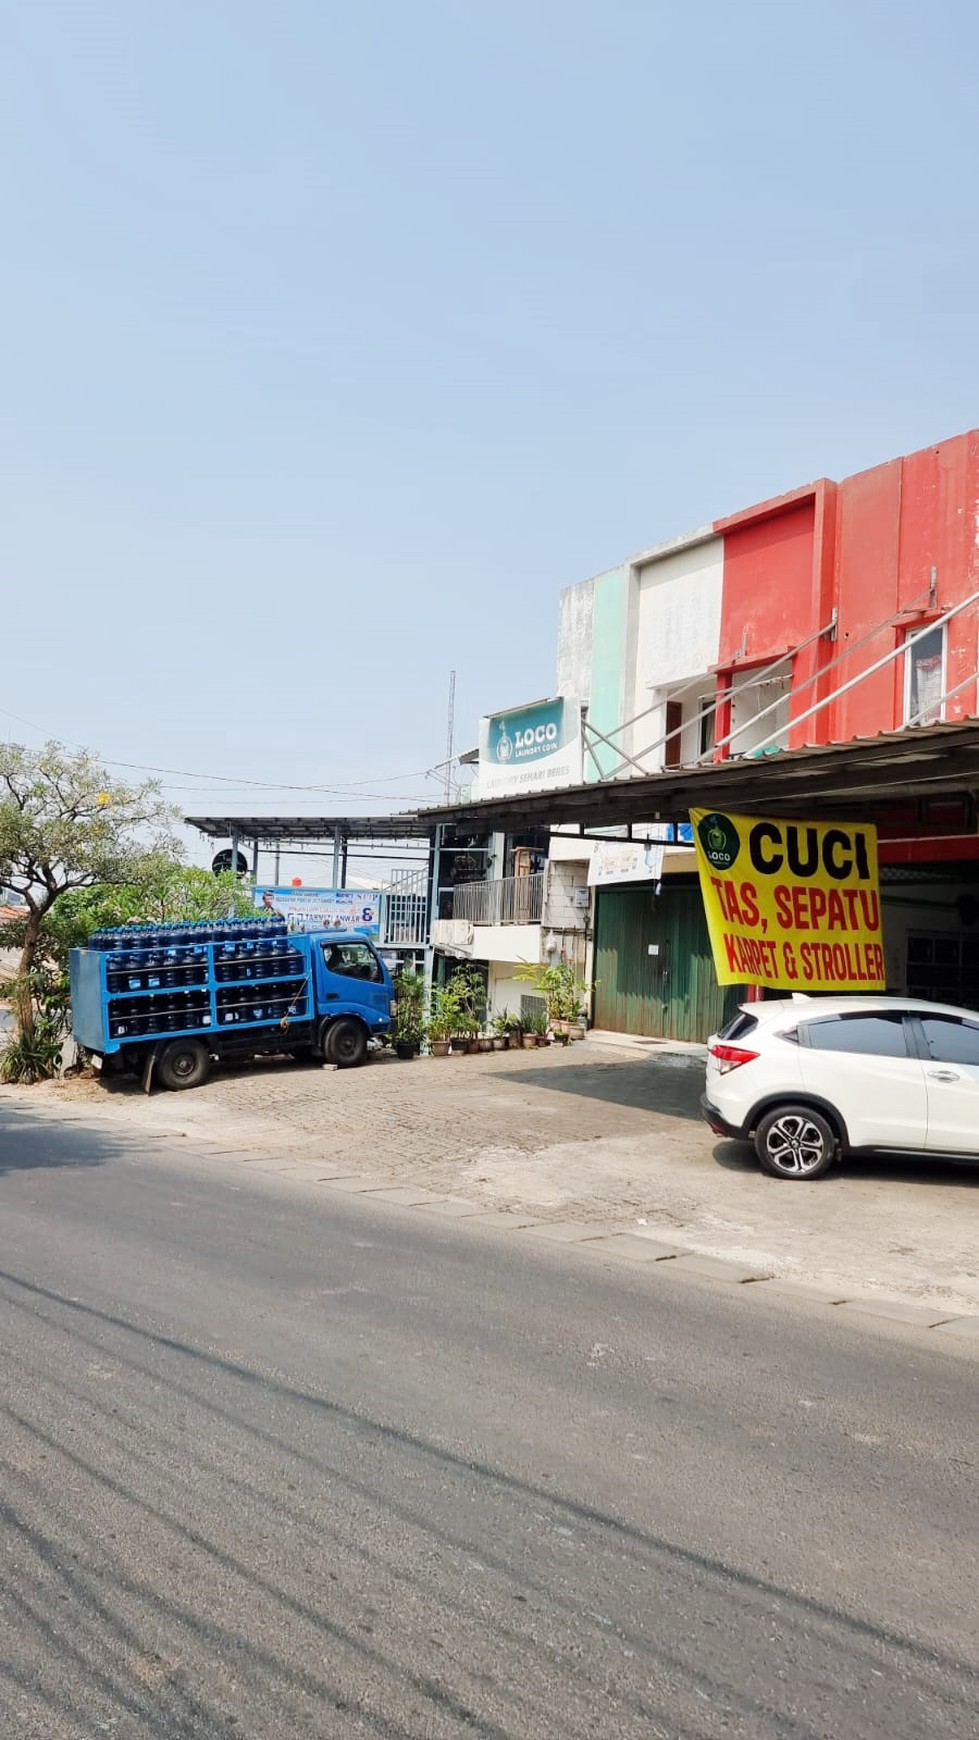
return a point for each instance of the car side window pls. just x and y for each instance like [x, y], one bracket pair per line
[353, 961]
[950, 1040]
[880, 1035]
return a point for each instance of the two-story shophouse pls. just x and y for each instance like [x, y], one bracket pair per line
[838, 611]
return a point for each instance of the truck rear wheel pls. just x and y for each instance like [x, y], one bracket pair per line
[184, 1063]
[346, 1044]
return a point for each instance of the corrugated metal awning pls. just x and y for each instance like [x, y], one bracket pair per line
[866, 777]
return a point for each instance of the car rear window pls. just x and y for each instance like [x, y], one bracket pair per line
[867, 1035]
[739, 1027]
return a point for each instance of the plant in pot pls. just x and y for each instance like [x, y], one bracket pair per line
[471, 994]
[443, 1020]
[409, 1013]
[559, 986]
[500, 1029]
[535, 1028]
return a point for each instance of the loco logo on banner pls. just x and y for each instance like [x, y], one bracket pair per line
[791, 905]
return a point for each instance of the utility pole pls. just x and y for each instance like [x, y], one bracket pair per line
[450, 736]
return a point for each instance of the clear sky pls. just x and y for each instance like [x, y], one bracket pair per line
[339, 337]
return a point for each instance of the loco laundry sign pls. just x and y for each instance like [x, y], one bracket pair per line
[791, 905]
[324, 908]
[530, 749]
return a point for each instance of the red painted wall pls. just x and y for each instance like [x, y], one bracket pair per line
[766, 601]
[868, 547]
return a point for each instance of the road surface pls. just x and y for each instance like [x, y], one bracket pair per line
[280, 1463]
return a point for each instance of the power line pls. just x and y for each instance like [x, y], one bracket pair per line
[235, 782]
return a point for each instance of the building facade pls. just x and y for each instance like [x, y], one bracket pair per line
[839, 610]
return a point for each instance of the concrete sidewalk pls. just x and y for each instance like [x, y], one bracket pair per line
[603, 1133]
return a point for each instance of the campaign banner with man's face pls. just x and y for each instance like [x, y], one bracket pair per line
[356, 909]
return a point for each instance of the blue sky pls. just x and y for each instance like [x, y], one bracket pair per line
[339, 338]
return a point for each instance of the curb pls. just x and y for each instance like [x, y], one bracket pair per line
[630, 1247]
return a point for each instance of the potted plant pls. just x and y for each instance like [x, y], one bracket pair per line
[500, 1028]
[561, 989]
[443, 1020]
[535, 1028]
[409, 1013]
[470, 992]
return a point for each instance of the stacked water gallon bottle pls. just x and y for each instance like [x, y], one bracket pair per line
[159, 977]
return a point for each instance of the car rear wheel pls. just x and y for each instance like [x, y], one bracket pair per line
[795, 1142]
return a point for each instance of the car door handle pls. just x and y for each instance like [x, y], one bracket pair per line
[944, 1075]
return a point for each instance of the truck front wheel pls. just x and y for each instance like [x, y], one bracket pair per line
[345, 1044]
[184, 1063]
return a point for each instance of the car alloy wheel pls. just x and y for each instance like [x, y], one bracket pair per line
[794, 1142]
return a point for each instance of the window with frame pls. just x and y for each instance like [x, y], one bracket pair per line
[880, 1035]
[943, 967]
[707, 709]
[353, 961]
[924, 681]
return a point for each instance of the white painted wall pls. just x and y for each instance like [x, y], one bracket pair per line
[506, 990]
[506, 942]
[575, 640]
[677, 634]
[569, 848]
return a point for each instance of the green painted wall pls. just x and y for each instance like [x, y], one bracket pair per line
[610, 624]
[672, 994]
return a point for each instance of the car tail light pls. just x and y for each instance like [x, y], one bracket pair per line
[728, 1057]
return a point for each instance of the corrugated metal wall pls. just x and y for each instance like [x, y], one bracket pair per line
[672, 994]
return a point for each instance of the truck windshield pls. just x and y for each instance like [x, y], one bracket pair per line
[353, 960]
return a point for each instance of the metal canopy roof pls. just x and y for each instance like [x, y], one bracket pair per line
[862, 778]
[305, 830]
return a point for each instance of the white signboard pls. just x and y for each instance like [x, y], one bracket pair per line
[626, 861]
[531, 749]
[324, 908]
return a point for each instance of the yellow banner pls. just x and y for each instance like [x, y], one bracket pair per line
[791, 905]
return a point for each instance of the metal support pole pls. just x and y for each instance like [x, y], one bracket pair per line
[254, 860]
[276, 866]
[343, 864]
[435, 874]
[337, 834]
[234, 863]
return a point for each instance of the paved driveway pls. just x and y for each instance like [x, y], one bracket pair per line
[601, 1133]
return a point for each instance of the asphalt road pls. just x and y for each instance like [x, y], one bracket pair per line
[279, 1463]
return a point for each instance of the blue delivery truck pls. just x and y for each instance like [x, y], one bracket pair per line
[168, 1001]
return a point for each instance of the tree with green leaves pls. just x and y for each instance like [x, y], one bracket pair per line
[66, 824]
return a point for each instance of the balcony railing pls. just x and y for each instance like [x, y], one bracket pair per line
[513, 900]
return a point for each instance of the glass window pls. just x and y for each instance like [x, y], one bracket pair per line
[708, 725]
[951, 1041]
[739, 1026]
[925, 677]
[867, 1035]
[353, 960]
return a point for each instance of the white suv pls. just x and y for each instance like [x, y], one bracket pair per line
[811, 1078]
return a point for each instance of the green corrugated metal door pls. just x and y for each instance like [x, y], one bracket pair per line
[653, 965]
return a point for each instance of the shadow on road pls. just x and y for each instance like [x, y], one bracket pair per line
[331, 1504]
[671, 1089]
[904, 1169]
[31, 1139]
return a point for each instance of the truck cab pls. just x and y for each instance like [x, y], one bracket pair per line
[350, 984]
